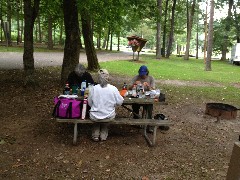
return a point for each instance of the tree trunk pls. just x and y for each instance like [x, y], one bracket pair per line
[164, 30]
[30, 14]
[107, 43]
[210, 38]
[189, 30]
[61, 41]
[9, 20]
[118, 38]
[72, 42]
[88, 41]
[99, 40]
[227, 28]
[50, 39]
[197, 42]
[158, 45]
[236, 24]
[18, 23]
[111, 38]
[171, 31]
[39, 30]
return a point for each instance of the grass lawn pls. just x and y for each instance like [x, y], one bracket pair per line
[175, 68]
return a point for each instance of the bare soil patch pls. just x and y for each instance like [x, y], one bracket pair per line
[34, 146]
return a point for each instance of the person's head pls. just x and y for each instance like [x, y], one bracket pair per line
[80, 69]
[143, 71]
[103, 77]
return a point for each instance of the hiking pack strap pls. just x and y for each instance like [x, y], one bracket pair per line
[56, 109]
[69, 111]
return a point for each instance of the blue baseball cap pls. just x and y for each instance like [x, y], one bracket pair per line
[143, 70]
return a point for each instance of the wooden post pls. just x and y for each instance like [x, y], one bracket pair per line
[234, 165]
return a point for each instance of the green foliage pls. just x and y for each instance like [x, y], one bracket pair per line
[219, 81]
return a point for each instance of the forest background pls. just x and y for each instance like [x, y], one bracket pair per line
[184, 26]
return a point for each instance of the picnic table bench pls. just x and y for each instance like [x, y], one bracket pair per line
[122, 121]
[145, 121]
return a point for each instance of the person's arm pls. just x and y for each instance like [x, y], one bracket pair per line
[134, 81]
[90, 97]
[119, 99]
[152, 83]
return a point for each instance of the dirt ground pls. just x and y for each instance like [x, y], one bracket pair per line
[34, 146]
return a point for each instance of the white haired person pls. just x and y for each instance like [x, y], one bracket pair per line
[79, 75]
[103, 99]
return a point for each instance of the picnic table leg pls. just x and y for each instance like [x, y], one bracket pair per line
[75, 134]
[153, 142]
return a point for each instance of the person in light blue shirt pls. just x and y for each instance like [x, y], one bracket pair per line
[103, 98]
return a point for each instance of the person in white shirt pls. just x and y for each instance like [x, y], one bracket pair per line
[102, 99]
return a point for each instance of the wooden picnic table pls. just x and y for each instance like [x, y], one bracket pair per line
[144, 120]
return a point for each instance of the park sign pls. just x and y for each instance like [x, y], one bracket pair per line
[137, 43]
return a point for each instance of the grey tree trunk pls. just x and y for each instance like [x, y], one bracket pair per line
[172, 30]
[227, 29]
[93, 64]
[164, 30]
[30, 14]
[236, 24]
[210, 38]
[189, 30]
[50, 39]
[9, 20]
[72, 42]
[158, 45]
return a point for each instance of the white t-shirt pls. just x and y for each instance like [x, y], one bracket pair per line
[103, 101]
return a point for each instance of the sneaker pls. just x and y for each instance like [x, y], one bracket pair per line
[96, 139]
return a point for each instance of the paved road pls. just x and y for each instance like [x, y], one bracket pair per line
[14, 60]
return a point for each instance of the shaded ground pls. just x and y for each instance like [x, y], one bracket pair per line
[34, 146]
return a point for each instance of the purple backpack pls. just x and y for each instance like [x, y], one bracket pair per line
[67, 108]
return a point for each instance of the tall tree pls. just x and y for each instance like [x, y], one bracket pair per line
[172, 30]
[189, 28]
[237, 23]
[88, 41]
[9, 20]
[30, 13]
[210, 38]
[165, 29]
[227, 29]
[50, 29]
[72, 42]
[159, 15]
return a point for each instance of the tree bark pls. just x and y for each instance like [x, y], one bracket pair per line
[227, 29]
[50, 39]
[164, 30]
[88, 41]
[9, 20]
[18, 23]
[210, 38]
[72, 42]
[236, 24]
[189, 30]
[158, 45]
[30, 14]
[107, 42]
[171, 31]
